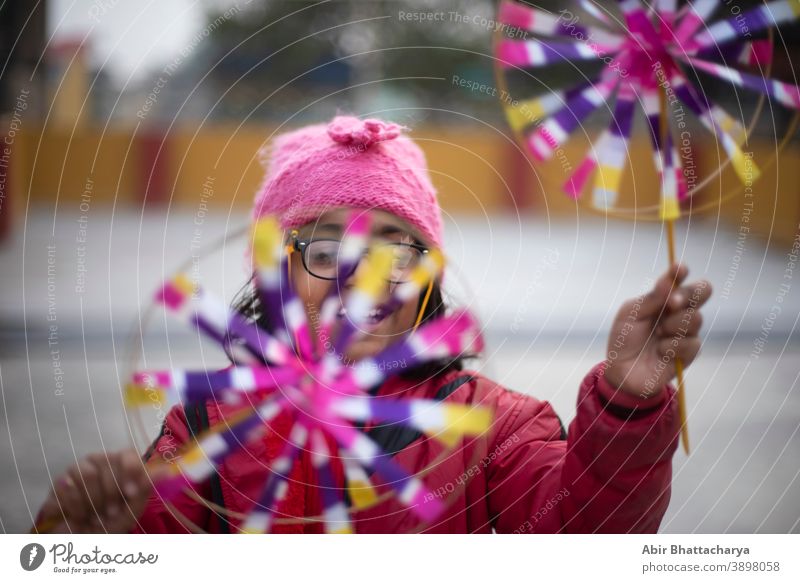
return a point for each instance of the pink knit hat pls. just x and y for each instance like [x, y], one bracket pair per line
[348, 162]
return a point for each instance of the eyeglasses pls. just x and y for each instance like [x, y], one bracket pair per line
[321, 257]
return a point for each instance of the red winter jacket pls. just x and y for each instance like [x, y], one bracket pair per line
[611, 474]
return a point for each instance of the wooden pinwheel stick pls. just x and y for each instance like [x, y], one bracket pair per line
[670, 224]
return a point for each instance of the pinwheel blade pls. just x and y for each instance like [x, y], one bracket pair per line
[267, 240]
[410, 491]
[184, 386]
[359, 487]
[528, 111]
[557, 128]
[433, 418]
[752, 21]
[369, 288]
[334, 511]
[216, 320]
[538, 21]
[440, 339]
[784, 93]
[608, 156]
[697, 14]
[744, 167]
[538, 53]
[354, 242]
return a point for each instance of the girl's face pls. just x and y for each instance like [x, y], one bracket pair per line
[312, 290]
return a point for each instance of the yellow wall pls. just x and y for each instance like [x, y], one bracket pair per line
[226, 155]
[476, 171]
[70, 97]
[59, 164]
[775, 197]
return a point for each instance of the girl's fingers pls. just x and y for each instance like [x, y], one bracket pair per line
[137, 486]
[684, 348]
[688, 349]
[70, 496]
[102, 492]
[104, 465]
[110, 471]
[654, 302]
[133, 476]
[686, 322]
[692, 295]
[85, 474]
[129, 507]
[52, 508]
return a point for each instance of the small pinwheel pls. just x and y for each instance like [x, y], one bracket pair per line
[642, 64]
[642, 59]
[286, 369]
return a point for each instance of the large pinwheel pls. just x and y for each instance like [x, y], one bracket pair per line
[645, 58]
[298, 368]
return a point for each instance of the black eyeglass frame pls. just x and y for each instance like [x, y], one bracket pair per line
[301, 246]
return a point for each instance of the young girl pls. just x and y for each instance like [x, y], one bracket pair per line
[610, 473]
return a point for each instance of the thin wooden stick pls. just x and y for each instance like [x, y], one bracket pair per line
[424, 304]
[670, 224]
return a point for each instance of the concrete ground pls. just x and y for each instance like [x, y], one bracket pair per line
[73, 290]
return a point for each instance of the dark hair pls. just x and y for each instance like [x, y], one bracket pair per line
[248, 303]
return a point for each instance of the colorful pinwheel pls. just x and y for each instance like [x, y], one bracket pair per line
[287, 368]
[643, 63]
[644, 59]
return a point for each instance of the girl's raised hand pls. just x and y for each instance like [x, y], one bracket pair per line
[101, 493]
[651, 331]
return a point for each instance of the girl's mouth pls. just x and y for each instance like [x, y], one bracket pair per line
[377, 314]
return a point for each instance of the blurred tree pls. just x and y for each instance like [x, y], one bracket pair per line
[349, 54]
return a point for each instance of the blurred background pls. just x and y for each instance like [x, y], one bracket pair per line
[129, 139]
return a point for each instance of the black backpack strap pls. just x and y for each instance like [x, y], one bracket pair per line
[451, 387]
[152, 448]
[197, 421]
[563, 431]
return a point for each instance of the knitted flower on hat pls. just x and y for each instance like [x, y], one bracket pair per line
[351, 130]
